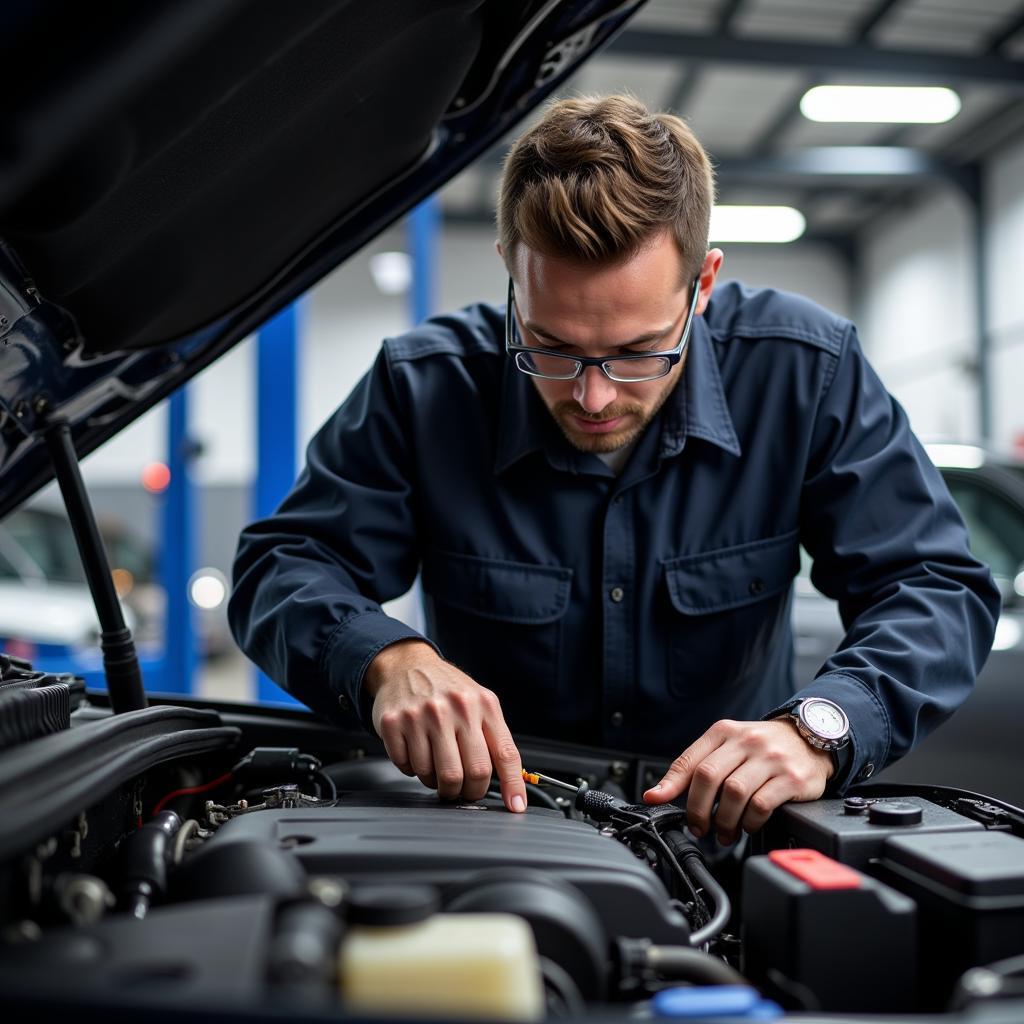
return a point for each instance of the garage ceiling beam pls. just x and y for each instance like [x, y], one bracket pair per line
[849, 166]
[916, 65]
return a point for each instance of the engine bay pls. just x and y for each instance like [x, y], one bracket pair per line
[259, 863]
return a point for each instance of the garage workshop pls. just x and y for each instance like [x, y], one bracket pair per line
[512, 511]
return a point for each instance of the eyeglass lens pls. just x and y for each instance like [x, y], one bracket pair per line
[558, 367]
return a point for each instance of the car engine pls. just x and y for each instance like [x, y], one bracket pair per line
[257, 864]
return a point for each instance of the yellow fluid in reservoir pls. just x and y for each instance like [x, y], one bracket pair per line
[468, 965]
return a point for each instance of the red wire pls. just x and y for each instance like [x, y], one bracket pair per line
[189, 790]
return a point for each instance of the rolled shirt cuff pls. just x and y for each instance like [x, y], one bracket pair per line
[347, 654]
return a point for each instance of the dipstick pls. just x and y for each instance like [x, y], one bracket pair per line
[536, 778]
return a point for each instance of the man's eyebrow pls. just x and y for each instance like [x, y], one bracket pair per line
[639, 340]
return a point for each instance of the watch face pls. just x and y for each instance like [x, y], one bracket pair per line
[825, 719]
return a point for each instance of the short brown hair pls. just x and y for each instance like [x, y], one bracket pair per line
[597, 176]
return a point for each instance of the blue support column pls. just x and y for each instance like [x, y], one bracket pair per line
[276, 432]
[177, 557]
[424, 236]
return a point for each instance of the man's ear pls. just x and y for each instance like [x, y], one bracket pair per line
[708, 272]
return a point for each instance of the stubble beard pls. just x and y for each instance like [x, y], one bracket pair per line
[601, 444]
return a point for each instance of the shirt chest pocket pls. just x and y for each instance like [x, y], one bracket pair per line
[726, 610]
[498, 620]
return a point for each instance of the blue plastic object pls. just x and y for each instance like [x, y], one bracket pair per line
[737, 1001]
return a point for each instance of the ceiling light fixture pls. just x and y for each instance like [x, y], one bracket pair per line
[879, 104]
[391, 272]
[756, 224]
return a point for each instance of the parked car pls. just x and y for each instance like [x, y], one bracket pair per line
[40, 570]
[172, 175]
[979, 748]
[46, 611]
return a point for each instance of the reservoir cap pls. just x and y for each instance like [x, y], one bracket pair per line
[895, 812]
[383, 905]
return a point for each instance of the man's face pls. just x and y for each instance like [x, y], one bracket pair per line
[636, 306]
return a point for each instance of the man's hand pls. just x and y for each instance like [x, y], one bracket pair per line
[439, 725]
[750, 768]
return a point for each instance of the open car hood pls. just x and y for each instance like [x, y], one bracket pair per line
[176, 172]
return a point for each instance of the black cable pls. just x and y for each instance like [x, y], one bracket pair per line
[674, 863]
[331, 787]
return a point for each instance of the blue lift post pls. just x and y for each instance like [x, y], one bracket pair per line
[177, 559]
[276, 433]
[424, 234]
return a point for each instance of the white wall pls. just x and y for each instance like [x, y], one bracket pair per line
[1005, 184]
[919, 323]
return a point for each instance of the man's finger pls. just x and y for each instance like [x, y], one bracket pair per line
[395, 747]
[677, 779]
[421, 756]
[706, 782]
[774, 793]
[736, 792]
[507, 763]
[447, 763]
[476, 762]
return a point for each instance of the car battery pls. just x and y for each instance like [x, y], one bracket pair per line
[854, 831]
[969, 891]
[818, 935]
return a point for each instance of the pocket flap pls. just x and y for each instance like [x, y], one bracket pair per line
[498, 589]
[732, 577]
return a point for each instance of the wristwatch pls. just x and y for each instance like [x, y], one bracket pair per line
[821, 722]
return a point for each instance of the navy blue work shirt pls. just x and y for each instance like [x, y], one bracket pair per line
[629, 611]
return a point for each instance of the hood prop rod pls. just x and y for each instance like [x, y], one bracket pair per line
[120, 661]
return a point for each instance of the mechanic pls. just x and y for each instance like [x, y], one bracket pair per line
[605, 486]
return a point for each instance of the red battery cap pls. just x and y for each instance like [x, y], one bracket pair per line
[817, 870]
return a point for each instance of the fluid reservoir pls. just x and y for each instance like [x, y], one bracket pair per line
[398, 957]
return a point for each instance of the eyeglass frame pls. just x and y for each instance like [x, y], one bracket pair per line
[673, 355]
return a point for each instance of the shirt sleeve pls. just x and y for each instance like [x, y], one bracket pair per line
[888, 544]
[310, 579]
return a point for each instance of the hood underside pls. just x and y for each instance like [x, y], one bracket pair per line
[177, 172]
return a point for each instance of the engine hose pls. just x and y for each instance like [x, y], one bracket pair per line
[690, 856]
[684, 963]
[723, 908]
[146, 853]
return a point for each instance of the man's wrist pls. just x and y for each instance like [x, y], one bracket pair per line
[393, 658]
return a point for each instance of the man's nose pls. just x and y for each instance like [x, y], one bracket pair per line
[593, 390]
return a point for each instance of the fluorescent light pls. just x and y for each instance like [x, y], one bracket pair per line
[1008, 632]
[956, 456]
[756, 224]
[880, 104]
[207, 588]
[391, 272]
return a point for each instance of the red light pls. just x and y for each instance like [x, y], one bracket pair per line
[155, 477]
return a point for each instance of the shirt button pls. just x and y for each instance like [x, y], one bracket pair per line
[867, 771]
[756, 586]
[618, 499]
[616, 594]
[344, 703]
[617, 718]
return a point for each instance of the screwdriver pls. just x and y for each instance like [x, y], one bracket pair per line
[536, 778]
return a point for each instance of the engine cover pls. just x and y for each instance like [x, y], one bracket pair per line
[411, 837]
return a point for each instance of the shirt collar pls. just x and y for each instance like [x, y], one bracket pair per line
[696, 408]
